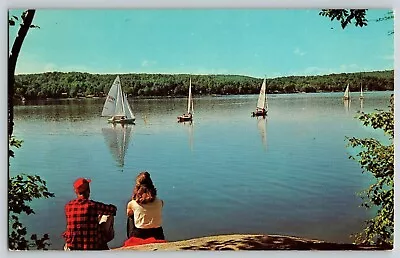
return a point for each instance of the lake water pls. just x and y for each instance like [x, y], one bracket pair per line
[226, 173]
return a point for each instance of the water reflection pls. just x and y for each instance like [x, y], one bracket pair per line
[262, 128]
[314, 115]
[362, 105]
[117, 138]
[346, 104]
[191, 128]
[189, 125]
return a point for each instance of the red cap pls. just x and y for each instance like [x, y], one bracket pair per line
[81, 184]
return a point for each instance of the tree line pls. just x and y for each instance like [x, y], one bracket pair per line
[78, 84]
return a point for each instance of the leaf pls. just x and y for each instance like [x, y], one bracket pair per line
[378, 160]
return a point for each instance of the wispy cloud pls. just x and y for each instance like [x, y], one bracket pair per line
[147, 63]
[34, 67]
[344, 68]
[387, 57]
[298, 52]
[275, 74]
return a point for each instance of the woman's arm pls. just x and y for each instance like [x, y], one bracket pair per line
[129, 209]
[129, 212]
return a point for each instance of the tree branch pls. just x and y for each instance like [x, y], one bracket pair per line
[27, 18]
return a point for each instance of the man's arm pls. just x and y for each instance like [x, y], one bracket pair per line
[105, 209]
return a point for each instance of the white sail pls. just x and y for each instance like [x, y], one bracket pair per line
[111, 100]
[119, 106]
[116, 104]
[127, 108]
[347, 92]
[262, 98]
[190, 99]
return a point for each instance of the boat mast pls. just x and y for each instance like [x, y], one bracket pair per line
[121, 96]
[190, 96]
[265, 96]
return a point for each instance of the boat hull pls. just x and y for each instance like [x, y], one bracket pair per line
[259, 113]
[185, 118]
[121, 121]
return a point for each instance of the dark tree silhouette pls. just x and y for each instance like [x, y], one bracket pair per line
[27, 18]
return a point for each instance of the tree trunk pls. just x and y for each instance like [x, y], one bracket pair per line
[12, 62]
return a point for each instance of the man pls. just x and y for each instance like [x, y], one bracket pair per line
[82, 214]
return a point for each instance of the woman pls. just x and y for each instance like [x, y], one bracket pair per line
[145, 209]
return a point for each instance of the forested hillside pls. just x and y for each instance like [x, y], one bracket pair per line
[77, 84]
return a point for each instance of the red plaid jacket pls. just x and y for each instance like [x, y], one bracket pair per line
[83, 231]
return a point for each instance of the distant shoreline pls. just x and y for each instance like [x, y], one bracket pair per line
[171, 97]
[58, 85]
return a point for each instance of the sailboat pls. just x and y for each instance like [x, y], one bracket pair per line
[346, 95]
[262, 104]
[117, 139]
[117, 105]
[189, 115]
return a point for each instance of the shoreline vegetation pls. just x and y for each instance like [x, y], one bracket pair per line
[249, 242]
[64, 85]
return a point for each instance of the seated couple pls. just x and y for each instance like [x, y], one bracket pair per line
[90, 224]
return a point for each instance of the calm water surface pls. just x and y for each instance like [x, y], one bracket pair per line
[225, 173]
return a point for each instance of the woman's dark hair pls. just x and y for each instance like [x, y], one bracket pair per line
[144, 191]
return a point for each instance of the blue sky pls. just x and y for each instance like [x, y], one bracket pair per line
[253, 42]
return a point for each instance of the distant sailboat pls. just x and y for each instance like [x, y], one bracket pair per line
[189, 115]
[346, 95]
[117, 139]
[262, 104]
[117, 105]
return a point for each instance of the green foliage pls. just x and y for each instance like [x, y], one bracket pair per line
[76, 84]
[378, 159]
[17, 240]
[13, 20]
[346, 16]
[13, 142]
[388, 16]
[22, 189]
